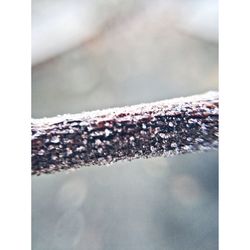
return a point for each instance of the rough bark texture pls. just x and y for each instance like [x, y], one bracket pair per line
[162, 128]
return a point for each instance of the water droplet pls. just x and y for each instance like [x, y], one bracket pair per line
[131, 138]
[170, 124]
[144, 126]
[100, 150]
[173, 145]
[55, 139]
[189, 139]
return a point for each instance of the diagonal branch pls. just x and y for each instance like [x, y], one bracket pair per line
[162, 128]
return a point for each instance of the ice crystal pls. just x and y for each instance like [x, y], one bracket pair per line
[107, 132]
[191, 121]
[51, 147]
[153, 149]
[99, 150]
[55, 139]
[41, 152]
[162, 135]
[83, 123]
[54, 157]
[98, 142]
[142, 132]
[199, 140]
[80, 149]
[69, 152]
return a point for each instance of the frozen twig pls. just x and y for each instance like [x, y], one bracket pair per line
[162, 128]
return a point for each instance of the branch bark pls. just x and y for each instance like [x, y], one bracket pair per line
[164, 128]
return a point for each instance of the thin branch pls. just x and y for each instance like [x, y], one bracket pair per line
[162, 128]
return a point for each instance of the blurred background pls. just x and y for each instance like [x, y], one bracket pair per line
[93, 54]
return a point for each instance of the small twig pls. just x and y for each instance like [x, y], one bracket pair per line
[163, 128]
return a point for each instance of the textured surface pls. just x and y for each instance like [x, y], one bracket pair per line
[166, 128]
[147, 204]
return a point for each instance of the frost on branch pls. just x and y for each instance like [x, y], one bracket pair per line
[162, 128]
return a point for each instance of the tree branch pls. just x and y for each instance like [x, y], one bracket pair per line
[162, 128]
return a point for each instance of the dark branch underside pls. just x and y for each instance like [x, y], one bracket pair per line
[163, 128]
